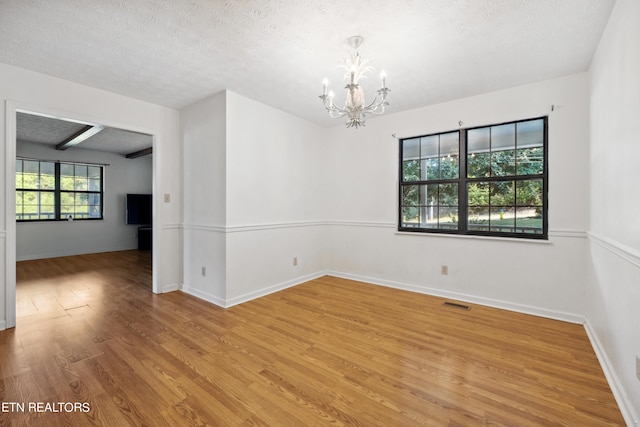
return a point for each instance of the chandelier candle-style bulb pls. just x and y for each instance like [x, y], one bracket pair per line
[355, 107]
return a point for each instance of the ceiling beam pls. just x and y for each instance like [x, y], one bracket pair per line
[140, 153]
[78, 137]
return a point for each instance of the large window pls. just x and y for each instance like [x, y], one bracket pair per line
[56, 191]
[490, 180]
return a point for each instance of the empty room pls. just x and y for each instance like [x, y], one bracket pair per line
[300, 213]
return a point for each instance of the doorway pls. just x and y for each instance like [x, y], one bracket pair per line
[80, 227]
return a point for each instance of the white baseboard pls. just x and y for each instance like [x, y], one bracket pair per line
[169, 288]
[227, 303]
[3, 325]
[519, 308]
[628, 412]
[220, 302]
[273, 288]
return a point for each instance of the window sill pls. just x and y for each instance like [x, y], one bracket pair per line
[474, 237]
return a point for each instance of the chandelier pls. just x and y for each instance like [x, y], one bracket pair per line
[355, 107]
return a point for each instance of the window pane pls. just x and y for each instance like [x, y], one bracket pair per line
[478, 194]
[429, 146]
[430, 169]
[429, 195]
[19, 201]
[47, 211]
[94, 185]
[411, 216]
[67, 199]
[529, 193]
[529, 220]
[530, 145]
[19, 174]
[47, 176]
[30, 180]
[478, 165]
[449, 167]
[478, 140]
[448, 195]
[429, 217]
[66, 177]
[81, 205]
[94, 172]
[81, 199]
[503, 137]
[30, 205]
[94, 205]
[448, 218]
[31, 166]
[478, 218]
[81, 183]
[502, 219]
[503, 163]
[530, 161]
[530, 133]
[66, 210]
[46, 198]
[429, 156]
[410, 195]
[502, 193]
[411, 149]
[449, 155]
[411, 171]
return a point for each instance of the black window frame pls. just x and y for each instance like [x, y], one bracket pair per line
[463, 181]
[57, 191]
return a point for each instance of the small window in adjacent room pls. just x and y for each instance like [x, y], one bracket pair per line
[50, 191]
[489, 180]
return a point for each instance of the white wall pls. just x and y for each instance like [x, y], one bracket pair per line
[204, 131]
[614, 293]
[254, 190]
[37, 240]
[276, 172]
[24, 89]
[539, 277]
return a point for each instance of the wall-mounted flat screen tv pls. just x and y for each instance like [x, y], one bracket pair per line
[139, 209]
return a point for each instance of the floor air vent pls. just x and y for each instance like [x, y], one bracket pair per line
[456, 305]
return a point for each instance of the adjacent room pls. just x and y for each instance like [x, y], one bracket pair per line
[311, 213]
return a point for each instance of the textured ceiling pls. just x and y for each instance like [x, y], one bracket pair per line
[176, 52]
[52, 131]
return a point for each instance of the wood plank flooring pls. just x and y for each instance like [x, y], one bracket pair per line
[327, 352]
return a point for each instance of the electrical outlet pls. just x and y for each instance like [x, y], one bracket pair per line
[638, 367]
[444, 270]
[204, 271]
[167, 198]
[295, 261]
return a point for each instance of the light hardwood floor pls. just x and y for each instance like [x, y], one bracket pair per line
[330, 351]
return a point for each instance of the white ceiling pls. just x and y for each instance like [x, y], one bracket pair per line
[176, 52]
[52, 131]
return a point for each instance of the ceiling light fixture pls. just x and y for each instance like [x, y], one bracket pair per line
[81, 136]
[355, 107]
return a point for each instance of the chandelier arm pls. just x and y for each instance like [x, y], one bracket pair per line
[376, 105]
